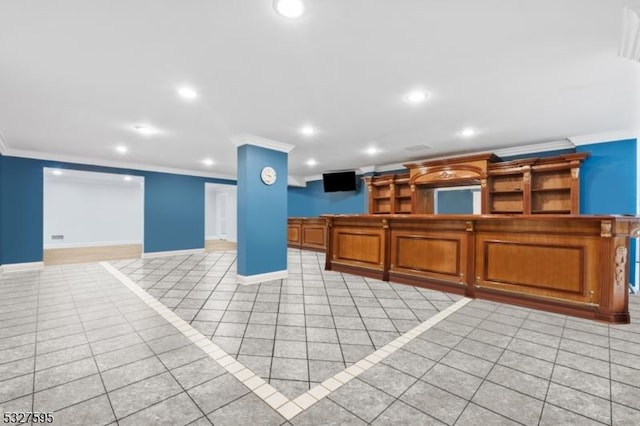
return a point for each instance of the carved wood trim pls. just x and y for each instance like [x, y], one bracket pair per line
[620, 266]
[448, 173]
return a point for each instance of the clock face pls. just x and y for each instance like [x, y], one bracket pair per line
[268, 175]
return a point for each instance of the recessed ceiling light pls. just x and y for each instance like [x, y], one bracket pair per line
[311, 162]
[372, 150]
[145, 130]
[127, 178]
[187, 93]
[122, 149]
[57, 172]
[307, 130]
[467, 133]
[207, 162]
[289, 8]
[417, 96]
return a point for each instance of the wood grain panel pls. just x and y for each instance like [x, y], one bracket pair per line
[359, 247]
[63, 256]
[558, 268]
[574, 265]
[425, 254]
[313, 235]
[293, 234]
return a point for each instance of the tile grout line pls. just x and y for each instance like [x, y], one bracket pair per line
[283, 405]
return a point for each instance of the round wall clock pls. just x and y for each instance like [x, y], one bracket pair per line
[268, 175]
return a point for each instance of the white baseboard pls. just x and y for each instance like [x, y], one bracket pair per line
[17, 267]
[92, 244]
[258, 278]
[172, 253]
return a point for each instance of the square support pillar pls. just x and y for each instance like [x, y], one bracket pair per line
[262, 209]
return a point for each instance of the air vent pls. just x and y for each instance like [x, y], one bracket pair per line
[57, 237]
[415, 148]
[630, 43]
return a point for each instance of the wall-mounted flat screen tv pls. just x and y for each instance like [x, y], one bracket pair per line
[339, 181]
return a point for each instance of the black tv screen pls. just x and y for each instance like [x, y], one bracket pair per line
[339, 181]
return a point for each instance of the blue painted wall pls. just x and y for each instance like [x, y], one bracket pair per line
[262, 212]
[21, 210]
[455, 202]
[174, 208]
[173, 212]
[608, 178]
[312, 201]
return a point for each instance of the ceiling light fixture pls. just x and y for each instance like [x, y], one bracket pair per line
[57, 172]
[308, 131]
[311, 162]
[127, 178]
[289, 8]
[187, 93]
[417, 96]
[207, 162]
[145, 130]
[122, 149]
[372, 150]
[468, 132]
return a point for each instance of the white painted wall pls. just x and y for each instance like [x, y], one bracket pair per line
[92, 209]
[220, 209]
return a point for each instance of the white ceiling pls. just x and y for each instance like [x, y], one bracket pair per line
[77, 75]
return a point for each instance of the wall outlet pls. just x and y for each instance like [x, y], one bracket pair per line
[57, 237]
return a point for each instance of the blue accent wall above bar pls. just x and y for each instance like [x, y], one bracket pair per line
[312, 201]
[608, 182]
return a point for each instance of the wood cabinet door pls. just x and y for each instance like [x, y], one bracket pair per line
[550, 266]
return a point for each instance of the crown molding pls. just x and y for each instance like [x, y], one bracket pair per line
[36, 155]
[366, 169]
[313, 177]
[247, 139]
[533, 148]
[296, 181]
[390, 167]
[616, 135]
[73, 175]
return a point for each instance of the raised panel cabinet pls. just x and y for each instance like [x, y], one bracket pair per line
[308, 233]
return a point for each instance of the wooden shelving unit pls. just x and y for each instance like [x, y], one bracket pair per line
[508, 187]
[535, 186]
[526, 186]
[389, 194]
[553, 191]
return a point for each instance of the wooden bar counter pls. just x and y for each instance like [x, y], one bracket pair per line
[307, 233]
[575, 265]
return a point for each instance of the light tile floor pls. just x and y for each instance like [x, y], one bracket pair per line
[294, 333]
[76, 341]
